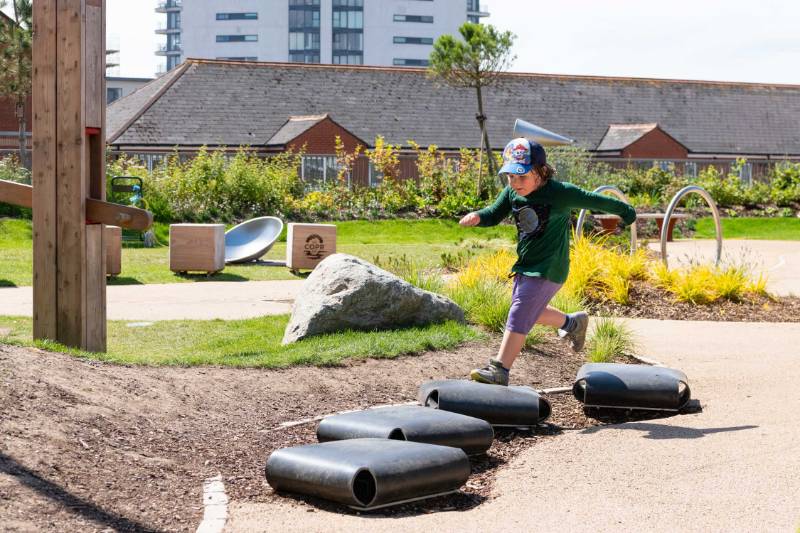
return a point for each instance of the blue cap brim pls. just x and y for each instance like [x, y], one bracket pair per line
[515, 168]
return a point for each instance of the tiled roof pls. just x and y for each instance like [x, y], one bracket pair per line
[620, 136]
[244, 103]
[293, 128]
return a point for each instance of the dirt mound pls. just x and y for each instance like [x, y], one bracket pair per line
[92, 446]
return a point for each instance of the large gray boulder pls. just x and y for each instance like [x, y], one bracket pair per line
[345, 292]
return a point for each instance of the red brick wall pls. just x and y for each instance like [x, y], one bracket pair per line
[657, 145]
[321, 139]
[8, 122]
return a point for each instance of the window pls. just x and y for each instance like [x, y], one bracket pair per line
[237, 38]
[237, 16]
[303, 18]
[690, 169]
[473, 5]
[413, 40]
[113, 93]
[411, 62]
[240, 58]
[304, 57]
[746, 173]
[348, 59]
[303, 41]
[414, 18]
[475, 19]
[348, 3]
[304, 3]
[348, 19]
[317, 170]
[348, 41]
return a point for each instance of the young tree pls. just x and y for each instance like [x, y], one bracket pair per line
[15, 63]
[475, 61]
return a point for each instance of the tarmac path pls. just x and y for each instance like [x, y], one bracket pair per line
[735, 466]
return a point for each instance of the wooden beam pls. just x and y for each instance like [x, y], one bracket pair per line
[45, 249]
[97, 211]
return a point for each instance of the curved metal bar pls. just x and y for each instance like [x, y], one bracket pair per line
[619, 194]
[674, 203]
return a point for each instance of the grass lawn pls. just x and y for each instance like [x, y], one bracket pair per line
[778, 229]
[423, 241]
[245, 343]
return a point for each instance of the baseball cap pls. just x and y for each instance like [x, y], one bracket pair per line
[520, 155]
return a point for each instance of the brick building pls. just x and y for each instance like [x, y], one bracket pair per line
[273, 107]
[9, 126]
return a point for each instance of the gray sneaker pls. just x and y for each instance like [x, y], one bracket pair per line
[493, 374]
[578, 335]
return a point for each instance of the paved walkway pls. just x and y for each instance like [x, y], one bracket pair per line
[733, 467]
[177, 301]
[778, 260]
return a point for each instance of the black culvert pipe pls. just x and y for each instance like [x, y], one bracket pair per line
[367, 474]
[622, 386]
[499, 406]
[412, 423]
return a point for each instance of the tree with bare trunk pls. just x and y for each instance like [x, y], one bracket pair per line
[476, 60]
[15, 63]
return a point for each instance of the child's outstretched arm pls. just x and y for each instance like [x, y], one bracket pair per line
[582, 199]
[492, 215]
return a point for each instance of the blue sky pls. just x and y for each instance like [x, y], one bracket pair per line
[731, 40]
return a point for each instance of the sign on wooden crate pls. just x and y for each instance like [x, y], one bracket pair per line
[308, 244]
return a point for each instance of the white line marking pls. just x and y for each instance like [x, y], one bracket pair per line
[215, 503]
[781, 262]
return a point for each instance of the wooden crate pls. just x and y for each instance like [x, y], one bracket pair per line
[113, 242]
[308, 244]
[196, 247]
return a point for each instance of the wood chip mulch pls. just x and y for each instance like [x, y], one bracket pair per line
[647, 301]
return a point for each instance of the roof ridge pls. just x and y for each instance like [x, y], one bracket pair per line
[179, 71]
[412, 70]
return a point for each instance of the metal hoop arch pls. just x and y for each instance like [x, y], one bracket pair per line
[674, 203]
[619, 194]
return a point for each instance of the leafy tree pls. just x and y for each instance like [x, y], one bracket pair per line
[476, 60]
[15, 62]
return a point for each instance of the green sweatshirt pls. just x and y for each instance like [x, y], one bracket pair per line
[543, 224]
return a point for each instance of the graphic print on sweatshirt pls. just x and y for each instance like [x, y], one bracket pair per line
[531, 221]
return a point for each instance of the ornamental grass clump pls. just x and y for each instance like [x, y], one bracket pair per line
[600, 272]
[610, 339]
[702, 284]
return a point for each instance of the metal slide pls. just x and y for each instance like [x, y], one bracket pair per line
[251, 239]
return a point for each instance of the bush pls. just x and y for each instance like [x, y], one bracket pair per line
[609, 340]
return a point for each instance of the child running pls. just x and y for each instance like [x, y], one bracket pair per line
[541, 208]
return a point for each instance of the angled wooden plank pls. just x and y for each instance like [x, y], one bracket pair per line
[45, 248]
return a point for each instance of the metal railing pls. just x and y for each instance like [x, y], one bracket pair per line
[671, 208]
[619, 194]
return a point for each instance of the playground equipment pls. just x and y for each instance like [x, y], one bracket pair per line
[619, 194]
[500, 406]
[671, 208]
[621, 386]
[542, 136]
[308, 244]
[68, 193]
[368, 474]
[411, 423]
[251, 239]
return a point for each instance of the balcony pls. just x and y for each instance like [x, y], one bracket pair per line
[164, 30]
[162, 50]
[168, 6]
[477, 10]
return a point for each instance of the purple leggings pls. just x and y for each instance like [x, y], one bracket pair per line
[529, 298]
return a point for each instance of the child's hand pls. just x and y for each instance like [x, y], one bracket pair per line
[470, 219]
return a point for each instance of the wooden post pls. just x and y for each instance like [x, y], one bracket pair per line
[68, 168]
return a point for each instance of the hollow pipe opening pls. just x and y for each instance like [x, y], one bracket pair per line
[364, 487]
[397, 434]
[432, 400]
